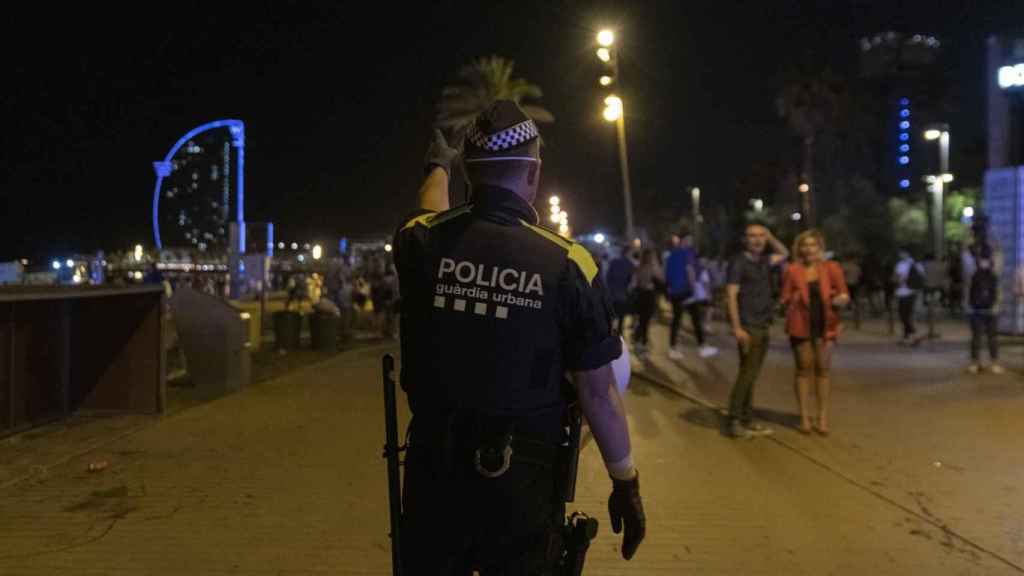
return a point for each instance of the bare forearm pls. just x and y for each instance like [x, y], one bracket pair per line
[734, 307]
[434, 191]
[602, 406]
[778, 247]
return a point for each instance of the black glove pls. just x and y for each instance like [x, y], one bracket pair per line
[626, 508]
[440, 154]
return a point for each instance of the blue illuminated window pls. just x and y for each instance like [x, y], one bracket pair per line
[904, 183]
[904, 136]
[904, 148]
[904, 160]
[904, 101]
[904, 125]
[904, 113]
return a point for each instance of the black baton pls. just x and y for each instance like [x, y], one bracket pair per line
[391, 451]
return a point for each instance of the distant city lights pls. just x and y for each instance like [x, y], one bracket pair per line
[796, 217]
[70, 263]
[968, 211]
[55, 264]
[599, 238]
[904, 183]
[318, 252]
[388, 248]
[904, 160]
[295, 246]
[1011, 76]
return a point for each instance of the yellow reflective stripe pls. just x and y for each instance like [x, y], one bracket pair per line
[421, 219]
[585, 261]
[448, 215]
[577, 253]
[431, 219]
[565, 244]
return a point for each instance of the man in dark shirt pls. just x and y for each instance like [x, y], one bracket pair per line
[618, 279]
[751, 307]
[496, 311]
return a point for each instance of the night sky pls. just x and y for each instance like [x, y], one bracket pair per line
[338, 100]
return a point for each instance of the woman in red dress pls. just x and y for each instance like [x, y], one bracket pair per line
[812, 290]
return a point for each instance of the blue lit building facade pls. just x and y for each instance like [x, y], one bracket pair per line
[901, 73]
[199, 191]
[1004, 178]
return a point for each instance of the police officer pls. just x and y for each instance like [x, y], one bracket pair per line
[496, 310]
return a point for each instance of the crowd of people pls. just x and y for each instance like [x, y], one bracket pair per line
[365, 295]
[811, 289]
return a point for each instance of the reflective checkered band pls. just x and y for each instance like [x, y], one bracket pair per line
[507, 138]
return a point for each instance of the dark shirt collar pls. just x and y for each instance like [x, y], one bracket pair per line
[502, 206]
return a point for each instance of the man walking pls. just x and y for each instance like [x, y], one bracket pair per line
[909, 279]
[619, 278]
[680, 277]
[751, 307]
[982, 266]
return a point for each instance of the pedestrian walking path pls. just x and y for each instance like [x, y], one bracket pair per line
[287, 478]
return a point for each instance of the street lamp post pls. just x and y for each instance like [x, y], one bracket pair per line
[614, 112]
[805, 205]
[938, 183]
[695, 198]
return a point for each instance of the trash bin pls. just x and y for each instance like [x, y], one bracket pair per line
[323, 330]
[287, 329]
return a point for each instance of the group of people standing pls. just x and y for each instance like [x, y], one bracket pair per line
[812, 291]
[809, 289]
[636, 280]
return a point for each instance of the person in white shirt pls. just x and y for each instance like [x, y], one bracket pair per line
[909, 279]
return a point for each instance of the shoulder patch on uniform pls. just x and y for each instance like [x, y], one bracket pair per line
[584, 261]
[431, 219]
[562, 242]
[421, 219]
[577, 253]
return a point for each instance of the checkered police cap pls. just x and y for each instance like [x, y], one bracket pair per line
[502, 131]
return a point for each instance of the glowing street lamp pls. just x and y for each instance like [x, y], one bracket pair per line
[613, 112]
[138, 252]
[554, 200]
[55, 264]
[968, 211]
[939, 132]
[318, 252]
[388, 248]
[599, 238]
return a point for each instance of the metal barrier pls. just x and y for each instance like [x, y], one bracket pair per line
[95, 349]
[215, 338]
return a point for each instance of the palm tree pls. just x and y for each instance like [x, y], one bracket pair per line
[484, 81]
[811, 105]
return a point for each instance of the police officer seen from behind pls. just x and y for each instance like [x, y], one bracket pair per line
[495, 312]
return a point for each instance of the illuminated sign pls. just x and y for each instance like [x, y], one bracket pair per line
[1011, 76]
